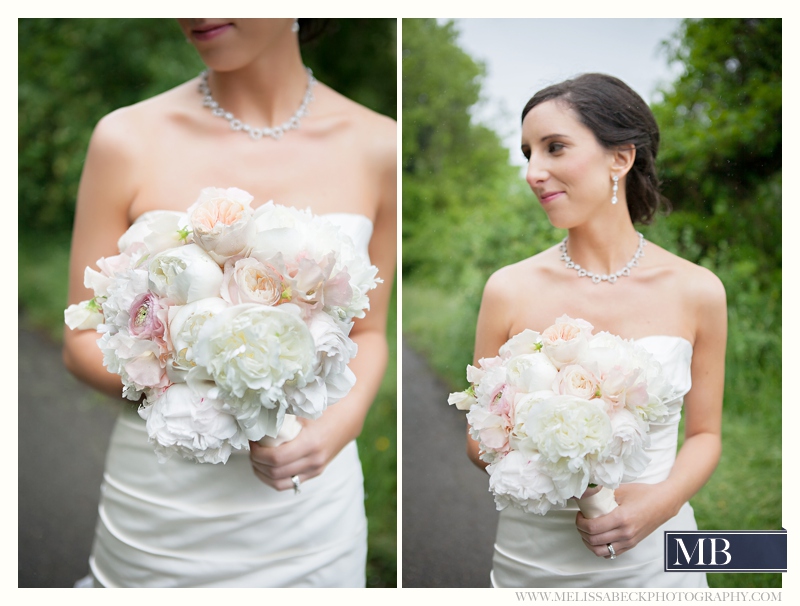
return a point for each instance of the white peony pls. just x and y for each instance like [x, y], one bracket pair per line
[185, 322]
[531, 372]
[184, 274]
[191, 425]
[251, 353]
[523, 482]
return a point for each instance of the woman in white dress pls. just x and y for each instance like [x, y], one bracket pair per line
[591, 145]
[244, 523]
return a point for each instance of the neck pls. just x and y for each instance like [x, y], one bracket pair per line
[602, 249]
[267, 91]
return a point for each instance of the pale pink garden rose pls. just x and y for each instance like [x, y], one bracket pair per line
[566, 340]
[222, 222]
[247, 280]
[575, 380]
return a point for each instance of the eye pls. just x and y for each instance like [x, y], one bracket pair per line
[526, 153]
[555, 147]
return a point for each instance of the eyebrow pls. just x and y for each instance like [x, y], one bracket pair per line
[554, 136]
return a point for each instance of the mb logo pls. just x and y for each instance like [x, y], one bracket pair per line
[716, 546]
[725, 551]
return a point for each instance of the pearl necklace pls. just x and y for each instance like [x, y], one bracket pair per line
[583, 273]
[257, 133]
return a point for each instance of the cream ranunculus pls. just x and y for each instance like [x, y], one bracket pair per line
[566, 340]
[184, 274]
[192, 425]
[247, 280]
[531, 372]
[252, 352]
[222, 222]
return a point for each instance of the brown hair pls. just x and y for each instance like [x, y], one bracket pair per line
[618, 117]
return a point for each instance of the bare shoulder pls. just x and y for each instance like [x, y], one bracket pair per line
[507, 283]
[374, 133]
[698, 286]
[129, 129]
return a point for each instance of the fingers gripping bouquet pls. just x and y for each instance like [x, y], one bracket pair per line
[560, 411]
[228, 320]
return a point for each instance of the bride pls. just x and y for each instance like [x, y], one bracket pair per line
[591, 145]
[290, 515]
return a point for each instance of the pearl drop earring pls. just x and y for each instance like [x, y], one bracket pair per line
[615, 178]
[296, 26]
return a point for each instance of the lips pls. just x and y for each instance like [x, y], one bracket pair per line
[210, 30]
[546, 197]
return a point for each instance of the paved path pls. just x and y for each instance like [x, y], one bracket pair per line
[449, 518]
[63, 431]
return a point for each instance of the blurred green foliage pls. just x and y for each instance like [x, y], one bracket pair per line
[72, 72]
[467, 212]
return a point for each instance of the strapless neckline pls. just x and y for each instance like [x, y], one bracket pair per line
[685, 340]
[329, 214]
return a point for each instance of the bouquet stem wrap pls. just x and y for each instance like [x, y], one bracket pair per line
[599, 504]
[289, 431]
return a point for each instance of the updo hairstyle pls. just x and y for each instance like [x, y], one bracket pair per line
[618, 117]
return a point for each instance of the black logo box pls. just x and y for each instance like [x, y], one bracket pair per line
[725, 551]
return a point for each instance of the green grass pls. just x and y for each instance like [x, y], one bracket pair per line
[744, 493]
[43, 278]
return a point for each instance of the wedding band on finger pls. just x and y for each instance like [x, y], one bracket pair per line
[611, 551]
[296, 482]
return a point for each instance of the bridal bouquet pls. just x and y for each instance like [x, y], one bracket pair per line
[562, 410]
[228, 320]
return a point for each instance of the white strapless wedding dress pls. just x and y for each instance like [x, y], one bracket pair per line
[184, 524]
[547, 551]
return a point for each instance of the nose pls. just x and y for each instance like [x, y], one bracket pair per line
[536, 174]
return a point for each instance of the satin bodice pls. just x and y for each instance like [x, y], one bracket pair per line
[675, 356]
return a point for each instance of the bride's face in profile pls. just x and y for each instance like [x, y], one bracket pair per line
[229, 44]
[568, 169]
